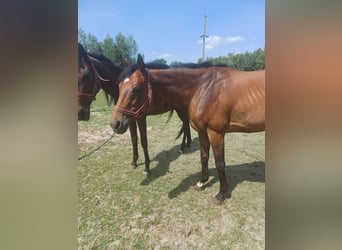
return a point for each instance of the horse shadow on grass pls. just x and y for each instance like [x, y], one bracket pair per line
[254, 171]
[165, 158]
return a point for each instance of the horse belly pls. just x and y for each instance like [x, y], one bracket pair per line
[248, 111]
[247, 118]
[247, 123]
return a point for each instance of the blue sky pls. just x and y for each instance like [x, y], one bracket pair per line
[171, 29]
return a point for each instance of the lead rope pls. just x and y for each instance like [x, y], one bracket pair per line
[97, 148]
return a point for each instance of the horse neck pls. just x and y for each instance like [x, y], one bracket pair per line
[111, 74]
[174, 86]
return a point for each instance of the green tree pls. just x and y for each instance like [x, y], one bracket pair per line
[175, 63]
[108, 48]
[259, 59]
[82, 38]
[93, 45]
[126, 47]
[160, 61]
[243, 61]
[248, 61]
[112, 48]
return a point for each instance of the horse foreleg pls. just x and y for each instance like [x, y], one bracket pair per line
[187, 133]
[183, 139]
[134, 139]
[204, 151]
[143, 136]
[217, 143]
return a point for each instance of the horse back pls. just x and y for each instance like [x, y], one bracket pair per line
[231, 101]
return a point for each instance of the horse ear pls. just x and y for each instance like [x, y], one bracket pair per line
[140, 62]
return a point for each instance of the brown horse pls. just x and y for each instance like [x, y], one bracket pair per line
[97, 72]
[217, 100]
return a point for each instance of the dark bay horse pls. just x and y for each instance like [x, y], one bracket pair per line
[217, 100]
[95, 72]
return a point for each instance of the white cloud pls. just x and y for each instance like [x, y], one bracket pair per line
[156, 55]
[165, 55]
[234, 39]
[212, 42]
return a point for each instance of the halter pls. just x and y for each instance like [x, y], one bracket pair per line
[147, 103]
[97, 83]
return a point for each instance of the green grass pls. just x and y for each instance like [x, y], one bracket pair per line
[120, 208]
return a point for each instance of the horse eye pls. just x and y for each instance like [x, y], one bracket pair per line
[136, 89]
[85, 77]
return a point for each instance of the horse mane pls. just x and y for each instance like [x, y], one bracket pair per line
[109, 64]
[221, 65]
[193, 65]
[206, 64]
[102, 58]
[130, 69]
[153, 65]
[127, 72]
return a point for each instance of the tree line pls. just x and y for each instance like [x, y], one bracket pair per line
[127, 48]
[242, 61]
[113, 48]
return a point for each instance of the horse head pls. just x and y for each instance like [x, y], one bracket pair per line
[134, 98]
[87, 87]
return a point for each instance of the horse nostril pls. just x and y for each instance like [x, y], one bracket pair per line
[83, 114]
[115, 125]
[80, 115]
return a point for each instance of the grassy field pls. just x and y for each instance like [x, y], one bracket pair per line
[120, 208]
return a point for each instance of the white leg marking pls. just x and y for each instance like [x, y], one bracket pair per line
[200, 184]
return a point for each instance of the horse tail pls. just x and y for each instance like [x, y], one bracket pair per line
[109, 99]
[181, 131]
[170, 115]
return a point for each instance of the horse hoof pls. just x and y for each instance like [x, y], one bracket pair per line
[219, 198]
[132, 166]
[199, 186]
[147, 173]
[217, 201]
[181, 151]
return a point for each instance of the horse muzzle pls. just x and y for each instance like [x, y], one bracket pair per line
[83, 114]
[119, 126]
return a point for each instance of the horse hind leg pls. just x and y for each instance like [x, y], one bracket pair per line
[187, 134]
[217, 143]
[204, 152]
[182, 146]
[185, 130]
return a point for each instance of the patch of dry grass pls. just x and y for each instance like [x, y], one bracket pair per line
[120, 208]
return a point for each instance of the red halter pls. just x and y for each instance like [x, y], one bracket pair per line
[147, 103]
[97, 83]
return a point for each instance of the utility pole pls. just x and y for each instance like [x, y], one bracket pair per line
[204, 36]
